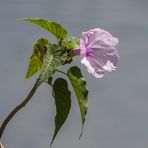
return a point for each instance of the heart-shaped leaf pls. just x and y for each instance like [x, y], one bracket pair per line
[80, 89]
[53, 27]
[62, 97]
[53, 59]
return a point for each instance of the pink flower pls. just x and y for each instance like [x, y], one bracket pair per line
[97, 52]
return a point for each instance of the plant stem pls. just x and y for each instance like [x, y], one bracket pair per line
[61, 72]
[19, 107]
[76, 52]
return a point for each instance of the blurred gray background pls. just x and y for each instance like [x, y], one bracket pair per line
[118, 103]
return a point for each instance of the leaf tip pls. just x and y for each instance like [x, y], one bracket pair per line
[81, 132]
[53, 138]
[26, 77]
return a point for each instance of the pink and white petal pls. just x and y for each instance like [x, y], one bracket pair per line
[104, 38]
[109, 66]
[94, 70]
[83, 38]
[99, 42]
[87, 38]
[84, 46]
[111, 41]
[108, 60]
[94, 30]
[83, 50]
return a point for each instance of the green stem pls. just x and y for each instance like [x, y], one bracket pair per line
[61, 72]
[19, 107]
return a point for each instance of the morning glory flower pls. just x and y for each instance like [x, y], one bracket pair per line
[97, 51]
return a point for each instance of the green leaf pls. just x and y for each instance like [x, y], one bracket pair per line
[50, 81]
[35, 61]
[53, 27]
[34, 65]
[40, 48]
[80, 89]
[75, 42]
[53, 59]
[72, 42]
[62, 97]
[42, 42]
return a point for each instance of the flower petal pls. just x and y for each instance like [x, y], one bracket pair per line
[107, 58]
[102, 39]
[98, 52]
[97, 72]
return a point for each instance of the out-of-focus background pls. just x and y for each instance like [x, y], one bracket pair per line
[118, 103]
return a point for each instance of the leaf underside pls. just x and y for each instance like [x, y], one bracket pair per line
[81, 91]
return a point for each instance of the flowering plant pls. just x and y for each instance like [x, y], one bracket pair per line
[97, 52]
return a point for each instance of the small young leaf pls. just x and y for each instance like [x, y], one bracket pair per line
[62, 97]
[53, 27]
[40, 48]
[72, 42]
[75, 42]
[35, 61]
[42, 42]
[53, 59]
[80, 89]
